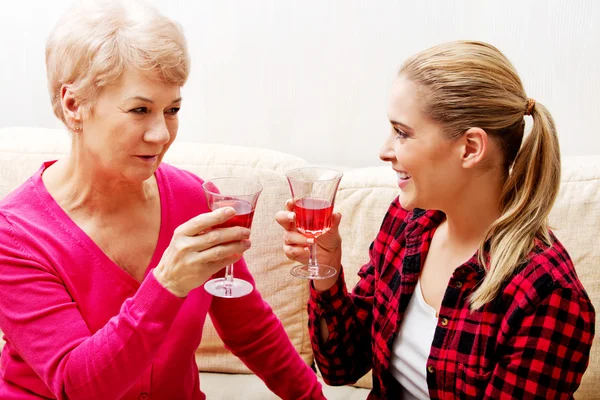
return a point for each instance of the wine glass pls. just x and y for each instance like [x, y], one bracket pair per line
[313, 191]
[242, 195]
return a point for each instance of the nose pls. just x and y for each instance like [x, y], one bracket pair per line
[387, 150]
[158, 132]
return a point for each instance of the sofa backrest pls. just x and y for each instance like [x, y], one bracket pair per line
[363, 198]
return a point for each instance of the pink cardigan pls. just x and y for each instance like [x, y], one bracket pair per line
[77, 326]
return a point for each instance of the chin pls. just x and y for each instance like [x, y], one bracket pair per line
[406, 202]
[148, 174]
[140, 175]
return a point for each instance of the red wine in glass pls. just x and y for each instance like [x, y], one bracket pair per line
[313, 216]
[242, 195]
[313, 190]
[243, 213]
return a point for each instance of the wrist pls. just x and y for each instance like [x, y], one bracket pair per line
[334, 260]
[323, 285]
[161, 278]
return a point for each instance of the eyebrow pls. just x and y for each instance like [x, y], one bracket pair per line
[401, 124]
[147, 100]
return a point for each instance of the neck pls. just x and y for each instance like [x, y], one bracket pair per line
[82, 186]
[473, 210]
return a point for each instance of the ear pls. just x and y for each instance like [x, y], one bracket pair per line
[71, 109]
[474, 147]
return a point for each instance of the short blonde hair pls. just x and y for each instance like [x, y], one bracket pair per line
[95, 41]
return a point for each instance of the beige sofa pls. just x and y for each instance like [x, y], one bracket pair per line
[363, 198]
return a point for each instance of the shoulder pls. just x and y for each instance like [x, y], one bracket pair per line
[182, 190]
[21, 210]
[25, 200]
[179, 182]
[547, 275]
[179, 176]
[19, 197]
[18, 240]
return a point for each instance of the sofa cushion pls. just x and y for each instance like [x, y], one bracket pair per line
[249, 387]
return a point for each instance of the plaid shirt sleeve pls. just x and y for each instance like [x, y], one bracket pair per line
[547, 353]
[347, 354]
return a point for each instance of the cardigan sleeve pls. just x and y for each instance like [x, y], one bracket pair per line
[252, 332]
[43, 324]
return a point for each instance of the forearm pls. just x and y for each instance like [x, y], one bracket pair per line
[73, 362]
[273, 358]
[340, 333]
[111, 360]
[252, 332]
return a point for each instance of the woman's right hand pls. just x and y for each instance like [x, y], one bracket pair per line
[197, 252]
[295, 244]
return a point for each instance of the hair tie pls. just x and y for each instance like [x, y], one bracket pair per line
[530, 105]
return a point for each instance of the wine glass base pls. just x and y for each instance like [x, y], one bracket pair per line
[221, 288]
[314, 272]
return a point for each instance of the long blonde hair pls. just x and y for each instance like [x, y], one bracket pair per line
[466, 84]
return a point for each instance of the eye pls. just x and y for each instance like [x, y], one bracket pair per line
[172, 111]
[400, 133]
[139, 110]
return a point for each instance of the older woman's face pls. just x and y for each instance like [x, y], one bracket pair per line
[131, 126]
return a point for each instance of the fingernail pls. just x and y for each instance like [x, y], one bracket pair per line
[229, 211]
[291, 216]
[310, 240]
[246, 232]
[247, 243]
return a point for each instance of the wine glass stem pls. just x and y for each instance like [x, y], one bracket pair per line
[312, 258]
[229, 275]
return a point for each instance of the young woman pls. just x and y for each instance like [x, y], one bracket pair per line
[467, 293]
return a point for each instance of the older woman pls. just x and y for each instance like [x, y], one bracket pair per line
[103, 254]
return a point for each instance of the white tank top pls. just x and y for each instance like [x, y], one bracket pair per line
[412, 345]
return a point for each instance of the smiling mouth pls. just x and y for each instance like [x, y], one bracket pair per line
[403, 176]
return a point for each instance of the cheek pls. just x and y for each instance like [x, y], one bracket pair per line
[441, 175]
[441, 156]
[173, 128]
[432, 168]
[403, 153]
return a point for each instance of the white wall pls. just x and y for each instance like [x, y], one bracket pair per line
[311, 77]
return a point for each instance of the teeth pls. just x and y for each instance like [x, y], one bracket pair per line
[403, 175]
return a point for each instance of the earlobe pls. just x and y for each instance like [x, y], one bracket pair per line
[71, 109]
[475, 144]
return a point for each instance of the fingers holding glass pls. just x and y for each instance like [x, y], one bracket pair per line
[241, 195]
[313, 191]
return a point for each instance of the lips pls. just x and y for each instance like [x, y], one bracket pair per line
[148, 158]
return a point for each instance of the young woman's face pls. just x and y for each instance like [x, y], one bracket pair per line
[426, 162]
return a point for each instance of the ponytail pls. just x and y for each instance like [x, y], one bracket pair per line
[527, 198]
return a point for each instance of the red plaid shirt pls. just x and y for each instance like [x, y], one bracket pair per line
[532, 342]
